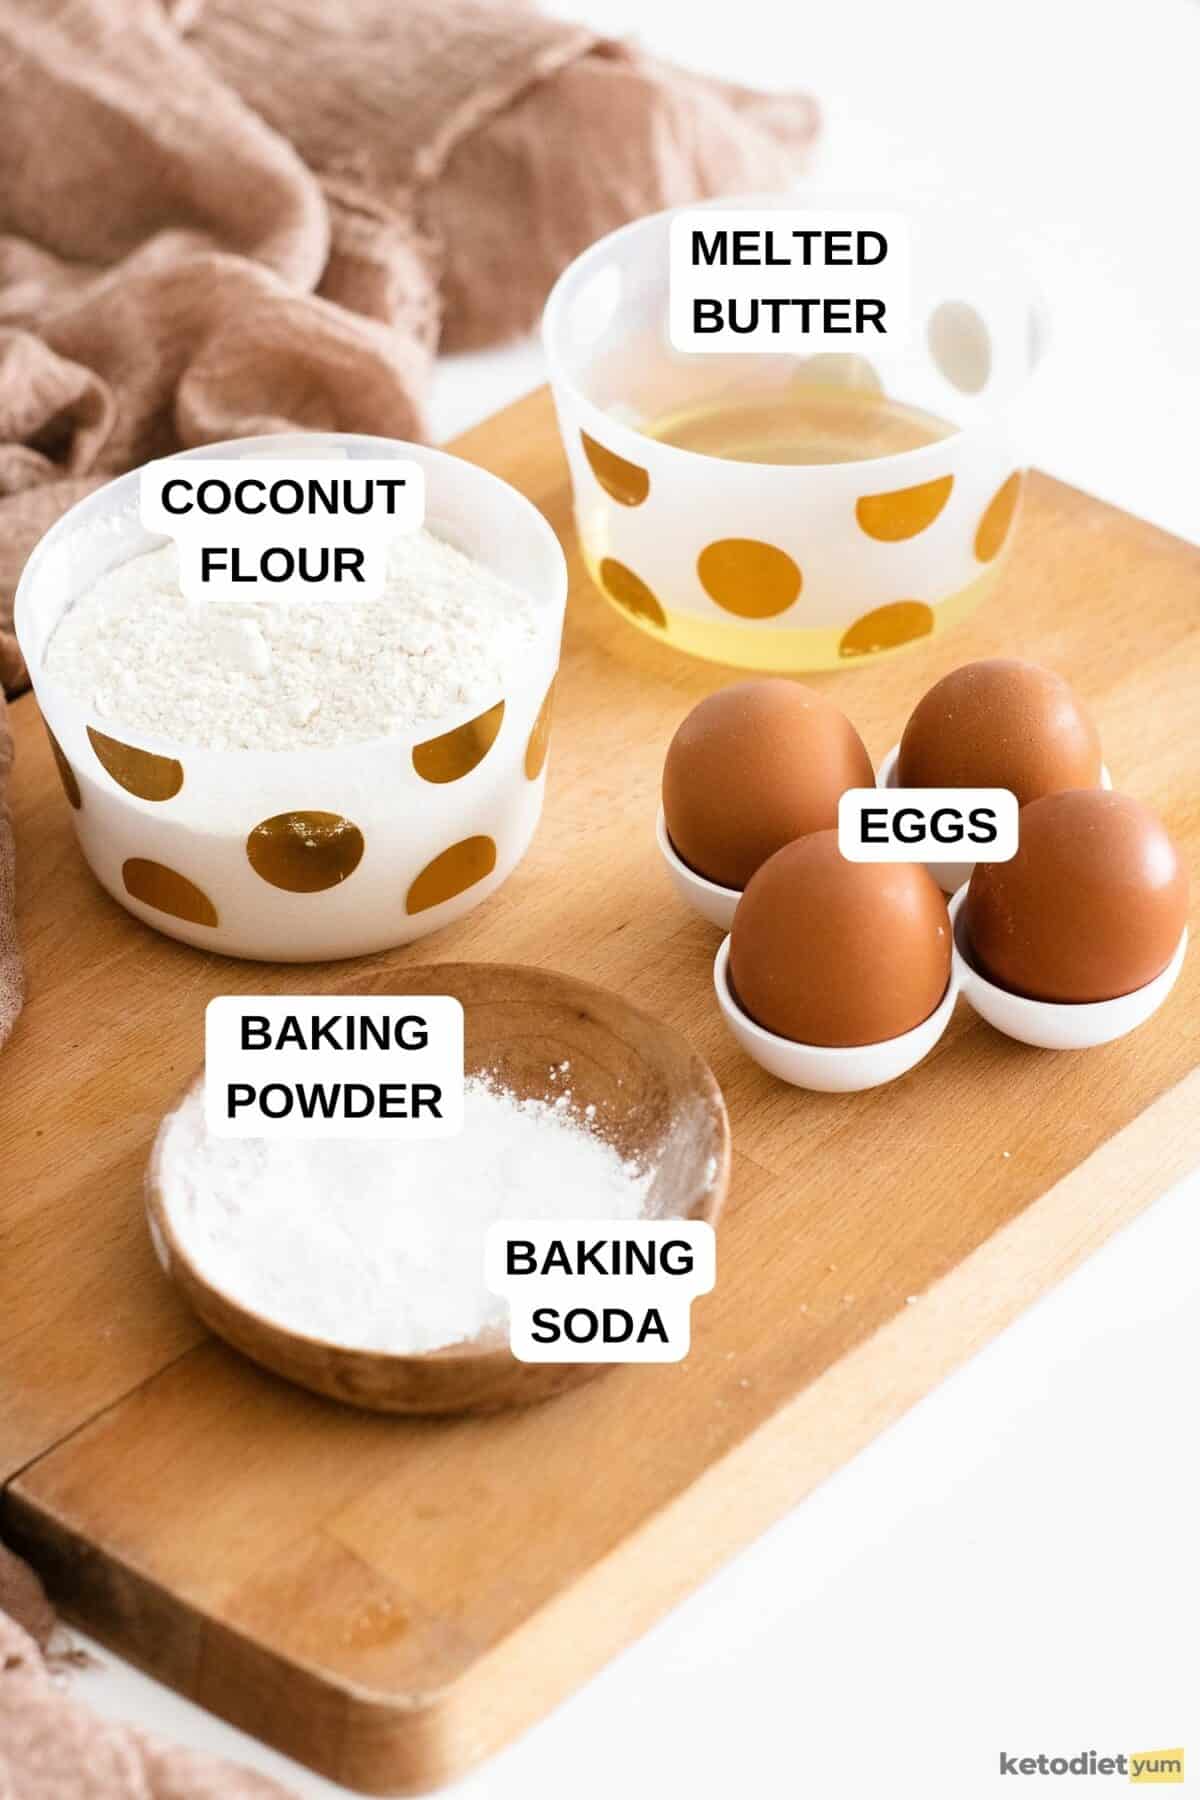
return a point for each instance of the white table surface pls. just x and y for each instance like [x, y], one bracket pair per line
[1013, 1565]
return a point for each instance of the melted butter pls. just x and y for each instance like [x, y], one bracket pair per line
[807, 423]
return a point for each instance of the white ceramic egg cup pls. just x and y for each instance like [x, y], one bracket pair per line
[830, 1069]
[1050, 1024]
[949, 876]
[713, 902]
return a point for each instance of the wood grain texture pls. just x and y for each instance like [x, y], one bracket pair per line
[391, 1599]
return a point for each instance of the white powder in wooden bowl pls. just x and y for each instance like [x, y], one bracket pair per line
[274, 676]
[378, 1245]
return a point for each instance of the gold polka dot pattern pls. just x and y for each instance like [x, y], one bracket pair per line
[66, 773]
[996, 522]
[749, 578]
[305, 852]
[887, 628]
[139, 772]
[623, 481]
[167, 891]
[451, 873]
[905, 511]
[457, 752]
[631, 592]
[537, 749]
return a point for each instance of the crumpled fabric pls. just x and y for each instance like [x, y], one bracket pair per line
[219, 219]
[53, 1747]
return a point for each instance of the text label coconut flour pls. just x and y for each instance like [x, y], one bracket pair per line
[282, 528]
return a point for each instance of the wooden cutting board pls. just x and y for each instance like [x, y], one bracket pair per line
[390, 1601]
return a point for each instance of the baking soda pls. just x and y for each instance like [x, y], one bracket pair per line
[274, 676]
[378, 1244]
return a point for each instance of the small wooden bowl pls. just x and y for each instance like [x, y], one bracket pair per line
[655, 1099]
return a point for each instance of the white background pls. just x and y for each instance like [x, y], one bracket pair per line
[1014, 1565]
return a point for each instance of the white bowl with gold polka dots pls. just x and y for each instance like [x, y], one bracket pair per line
[303, 855]
[791, 565]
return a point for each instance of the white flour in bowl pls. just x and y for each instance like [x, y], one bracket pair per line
[378, 1245]
[274, 676]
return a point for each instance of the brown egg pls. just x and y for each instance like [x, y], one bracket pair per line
[752, 767]
[1000, 723]
[825, 951]
[1092, 905]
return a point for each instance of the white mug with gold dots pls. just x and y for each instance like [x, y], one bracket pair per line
[302, 855]
[792, 564]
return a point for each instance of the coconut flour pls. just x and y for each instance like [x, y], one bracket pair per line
[378, 1244]
[275, 676]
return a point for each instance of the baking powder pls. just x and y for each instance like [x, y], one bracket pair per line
[375, 1244]
[274, 676]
